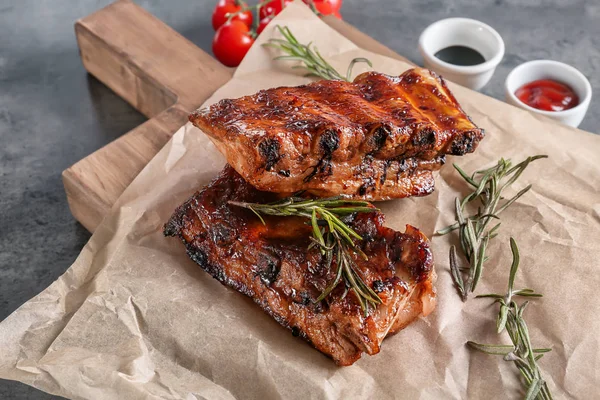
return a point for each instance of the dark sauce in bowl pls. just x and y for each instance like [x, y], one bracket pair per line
[460, 55]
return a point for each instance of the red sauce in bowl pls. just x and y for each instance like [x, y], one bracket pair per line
[547, 95]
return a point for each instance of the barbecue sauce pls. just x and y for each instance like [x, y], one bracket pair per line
[460, 55]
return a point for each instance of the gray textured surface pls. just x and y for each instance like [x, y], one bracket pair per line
[52, 113]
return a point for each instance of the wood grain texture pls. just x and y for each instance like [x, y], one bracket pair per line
[156, 70]
[161, 74]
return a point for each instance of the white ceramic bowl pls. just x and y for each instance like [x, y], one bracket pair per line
[548, 69]
[462, 32]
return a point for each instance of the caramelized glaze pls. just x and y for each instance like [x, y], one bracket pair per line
[271, 264]
[376, 138]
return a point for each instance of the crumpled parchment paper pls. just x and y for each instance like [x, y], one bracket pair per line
[134, 318]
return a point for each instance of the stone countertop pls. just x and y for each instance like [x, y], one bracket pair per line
[52, 113]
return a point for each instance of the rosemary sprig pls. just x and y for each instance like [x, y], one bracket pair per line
[310, 58]
[474, 234]
[333, 237]
[521, 352]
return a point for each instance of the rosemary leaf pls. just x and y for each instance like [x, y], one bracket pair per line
[317, 231]
[527, 293]
[480, 260]
[492, 295]
[496, 349]
[534, 389]
[515, 265]
[309, 56]
[502, 318]
[456, 274]
[510, 318]
[447, 230]
[465, 176]
[474, 235]
[351, 66]
[258, 215]
[336, 281]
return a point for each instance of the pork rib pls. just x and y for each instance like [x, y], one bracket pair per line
[337, 137]
[271, 264]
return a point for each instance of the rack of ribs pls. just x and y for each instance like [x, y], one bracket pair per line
[378, 137]
[272, 264]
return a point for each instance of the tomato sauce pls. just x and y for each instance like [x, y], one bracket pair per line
[547, 95]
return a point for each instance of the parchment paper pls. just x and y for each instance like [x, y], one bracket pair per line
[134, 318]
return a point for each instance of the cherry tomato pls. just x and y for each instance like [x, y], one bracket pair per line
[337, 14]
[231, 43]
[225, 7]
[336, 4]
[327, 7]
[263, 24]
[273, 7]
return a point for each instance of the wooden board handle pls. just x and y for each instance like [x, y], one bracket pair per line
[157, 71]
[146, 62]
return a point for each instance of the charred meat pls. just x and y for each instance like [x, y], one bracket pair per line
[270, 263]
[376, 138]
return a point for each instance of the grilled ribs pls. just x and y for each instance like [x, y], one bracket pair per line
[376, 138]
[271, 264]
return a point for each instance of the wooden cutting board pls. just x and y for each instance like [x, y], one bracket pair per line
[161, 74]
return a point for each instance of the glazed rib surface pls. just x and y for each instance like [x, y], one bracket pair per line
[271, 264]
[376, 138]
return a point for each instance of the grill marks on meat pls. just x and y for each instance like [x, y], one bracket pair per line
[336, 137]
[271, 264]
